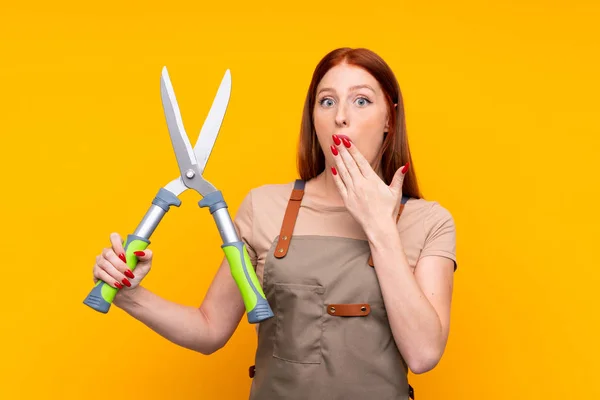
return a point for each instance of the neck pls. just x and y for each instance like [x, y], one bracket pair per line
[328, 189]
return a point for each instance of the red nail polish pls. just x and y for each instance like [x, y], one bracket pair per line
[334, 170]
[346, 142]
[122, 257]
[334, 150]
[129, 274]
[336, 139]
[405, 168]
[126, 282]
[139, 253]
[118, 285]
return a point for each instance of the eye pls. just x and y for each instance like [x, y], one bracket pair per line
[326, 102]
[362, 101]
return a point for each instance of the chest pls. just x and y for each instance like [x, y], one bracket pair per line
[338, 265]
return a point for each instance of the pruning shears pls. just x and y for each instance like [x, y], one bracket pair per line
[192, 162]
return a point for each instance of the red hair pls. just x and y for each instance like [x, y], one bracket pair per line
[394, 152]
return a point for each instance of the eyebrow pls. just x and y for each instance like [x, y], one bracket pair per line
[355, 87]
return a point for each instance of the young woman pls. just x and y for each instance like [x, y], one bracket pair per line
[357, 266]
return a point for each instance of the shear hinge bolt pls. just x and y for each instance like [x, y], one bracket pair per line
[190, 173]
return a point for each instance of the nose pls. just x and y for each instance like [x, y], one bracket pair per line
[341, 117]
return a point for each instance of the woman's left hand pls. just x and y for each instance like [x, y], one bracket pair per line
[366, 196]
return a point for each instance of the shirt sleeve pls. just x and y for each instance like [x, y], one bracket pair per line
[440, 231]
[243, 223]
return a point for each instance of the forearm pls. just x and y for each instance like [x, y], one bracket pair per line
[183, 325]
[413, 320]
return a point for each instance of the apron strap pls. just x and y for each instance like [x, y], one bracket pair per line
[402, 203]
[289, 219]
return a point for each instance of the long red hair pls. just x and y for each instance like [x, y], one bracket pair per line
[394, 152]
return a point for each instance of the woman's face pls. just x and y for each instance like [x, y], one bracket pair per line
[350, 102]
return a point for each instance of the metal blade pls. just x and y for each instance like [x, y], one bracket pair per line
[176, 186]
[181, 144]
[212, 123]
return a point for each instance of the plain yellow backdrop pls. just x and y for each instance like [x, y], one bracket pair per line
[502, 115]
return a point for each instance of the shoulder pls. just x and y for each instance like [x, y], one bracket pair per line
[271, 193]
[266, 200]
[430, 221]
[438, 213]
[429, 212]
[262, 206]
[263, 210]
[438, 227]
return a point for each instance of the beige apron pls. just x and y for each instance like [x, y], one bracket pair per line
[330, 338]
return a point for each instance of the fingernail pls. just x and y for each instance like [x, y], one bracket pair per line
[405, 168]
[118, 285]
[139, 253]
[122, 257]
[346, 142]
[336, 139]
[333, 170]
[126, 282]
[129, 274]
[334, 150]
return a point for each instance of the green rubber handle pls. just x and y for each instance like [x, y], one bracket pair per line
[257, 306]
[102, 295]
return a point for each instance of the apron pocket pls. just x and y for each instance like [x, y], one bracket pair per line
[299, 323]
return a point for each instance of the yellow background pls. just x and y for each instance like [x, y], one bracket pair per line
[502, 114]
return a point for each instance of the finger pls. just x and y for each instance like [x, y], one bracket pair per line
[100, 274]
[110, 256]
[398, 179]
[339, 183]
[144, 259]
[143, 255]
[348, 160]
[342, 171]
[362, 163]
[113, 272]
[117, 245]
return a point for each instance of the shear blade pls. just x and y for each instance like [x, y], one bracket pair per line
[184, 153]
[212, 123]
[189, 169]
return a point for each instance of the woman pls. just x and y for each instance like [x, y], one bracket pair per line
[357, 267]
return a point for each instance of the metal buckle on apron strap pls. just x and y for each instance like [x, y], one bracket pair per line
[348, 310]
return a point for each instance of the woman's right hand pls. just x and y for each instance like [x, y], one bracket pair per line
[111, 268]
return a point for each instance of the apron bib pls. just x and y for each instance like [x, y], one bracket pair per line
[329, 338]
